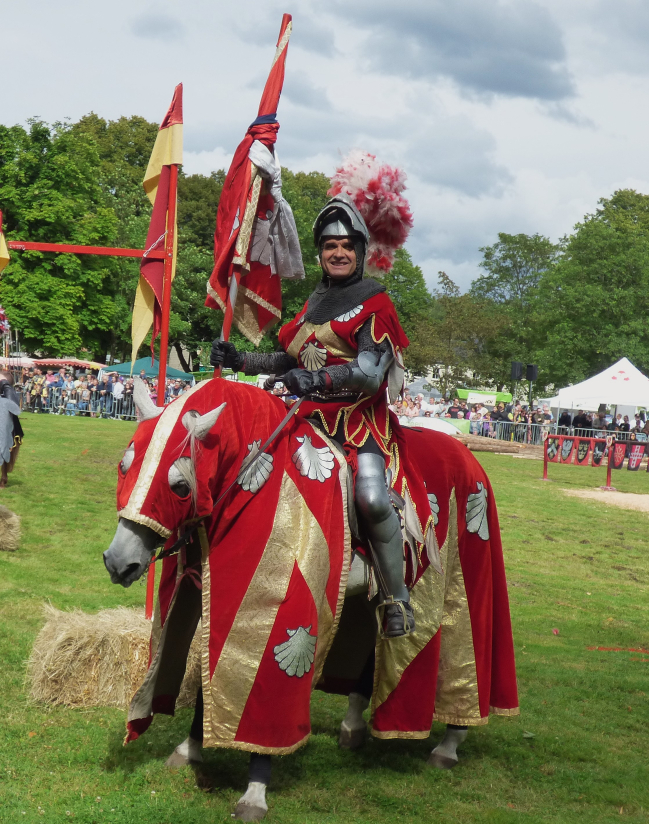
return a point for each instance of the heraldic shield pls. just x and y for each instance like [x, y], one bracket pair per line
[635, 457]
[583, 448]
[553, 449]
[598, 454]
[566, 450]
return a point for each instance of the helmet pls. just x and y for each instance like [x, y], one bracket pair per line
[341, 218]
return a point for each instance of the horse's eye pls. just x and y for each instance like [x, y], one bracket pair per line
[127, 460]
[180, 477]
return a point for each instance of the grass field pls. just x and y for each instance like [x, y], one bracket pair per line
[578, 752]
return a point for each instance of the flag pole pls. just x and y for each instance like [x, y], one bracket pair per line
[164, 338]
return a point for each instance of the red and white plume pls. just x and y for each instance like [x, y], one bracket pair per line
[376, 189]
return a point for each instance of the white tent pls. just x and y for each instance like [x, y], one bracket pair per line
[620, 385]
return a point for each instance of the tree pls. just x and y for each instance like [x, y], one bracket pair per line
[514, 268]
[407, 289]
[451, 336]
[595, 301]
[49, 191]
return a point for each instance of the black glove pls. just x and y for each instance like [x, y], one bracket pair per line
[225, 354]
[302, 382]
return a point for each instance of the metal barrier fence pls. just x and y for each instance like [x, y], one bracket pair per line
[88, 403]
[532, 433]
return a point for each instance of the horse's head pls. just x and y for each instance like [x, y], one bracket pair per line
[159, 488]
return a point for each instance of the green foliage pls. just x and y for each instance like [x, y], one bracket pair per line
[513, 268]
[49, 191]
[595, 301]
[407, 289]
[571, 563]
[451, 335]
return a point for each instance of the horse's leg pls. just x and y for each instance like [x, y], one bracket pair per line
[252, 805]
[189, 752]
[3, 475]
[444, 756]
[353, 730]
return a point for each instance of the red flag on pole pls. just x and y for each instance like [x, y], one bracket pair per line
[246, 263]
[158, 184]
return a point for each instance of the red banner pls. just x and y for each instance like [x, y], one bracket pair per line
[584, 446]
[566, 449]
[636, 454]
[553, 449]
[619, 453]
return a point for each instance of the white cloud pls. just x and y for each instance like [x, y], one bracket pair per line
[506, 116]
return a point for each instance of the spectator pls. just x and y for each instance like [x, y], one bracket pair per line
[452, 411]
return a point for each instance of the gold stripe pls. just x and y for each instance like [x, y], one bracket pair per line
[427, 598]
[206, 623]
[502, 711]
[335, 345]
[401, 734]
[457, 679]
[254, 297]
[460, 720]
[151, 462]
[214, 296]
[282, 43]
[328, 623]
[243, 238]
[237, 667]
[303, 333]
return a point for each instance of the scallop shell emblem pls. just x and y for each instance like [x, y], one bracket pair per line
[434, 507]
[314, 463]
[476, 513]
[296, 655]
[313, 356]
[350, 314]
[256, 469]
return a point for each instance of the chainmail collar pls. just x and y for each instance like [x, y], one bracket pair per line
[335, 297]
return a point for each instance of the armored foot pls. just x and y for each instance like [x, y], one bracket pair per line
[353, 730]
[444, 756]
[252, 804]
[189, 752]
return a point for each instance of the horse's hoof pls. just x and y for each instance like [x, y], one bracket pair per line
[441, 762]
[352, 739]
[178, 760]
[249, 812]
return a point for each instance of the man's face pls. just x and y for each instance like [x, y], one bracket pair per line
[338, 257]
[456, 401]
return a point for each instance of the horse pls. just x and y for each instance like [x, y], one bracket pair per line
[260, 547]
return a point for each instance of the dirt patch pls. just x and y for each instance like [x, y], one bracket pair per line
[625, 500]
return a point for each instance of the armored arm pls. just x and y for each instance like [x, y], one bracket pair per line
[225, 354]
[365, 373]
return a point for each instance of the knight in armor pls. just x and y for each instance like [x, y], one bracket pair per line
[342, 352]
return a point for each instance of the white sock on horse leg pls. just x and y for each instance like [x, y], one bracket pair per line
[190, 749]
[452, 739]
[254, 796]
[354, 720]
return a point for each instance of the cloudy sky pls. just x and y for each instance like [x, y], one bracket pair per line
[507, 115]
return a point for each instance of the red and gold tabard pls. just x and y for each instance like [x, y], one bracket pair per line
[316, 346]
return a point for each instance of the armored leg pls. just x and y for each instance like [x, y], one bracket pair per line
[381, 524]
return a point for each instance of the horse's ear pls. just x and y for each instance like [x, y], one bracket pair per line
[200, 425]
[145, 406]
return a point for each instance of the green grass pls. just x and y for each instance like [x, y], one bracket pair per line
[573, 565]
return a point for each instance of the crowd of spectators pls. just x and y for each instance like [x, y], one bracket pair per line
[517, 422]
[66, 392]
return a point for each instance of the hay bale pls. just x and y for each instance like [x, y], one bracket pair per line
[82, 660]
[9, 530]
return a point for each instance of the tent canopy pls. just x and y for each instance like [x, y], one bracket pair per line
[151, 371]
[622, 384]
[482, 396]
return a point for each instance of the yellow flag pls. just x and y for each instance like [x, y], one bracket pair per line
[4, 252]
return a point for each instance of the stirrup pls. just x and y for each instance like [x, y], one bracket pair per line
[396, 619]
